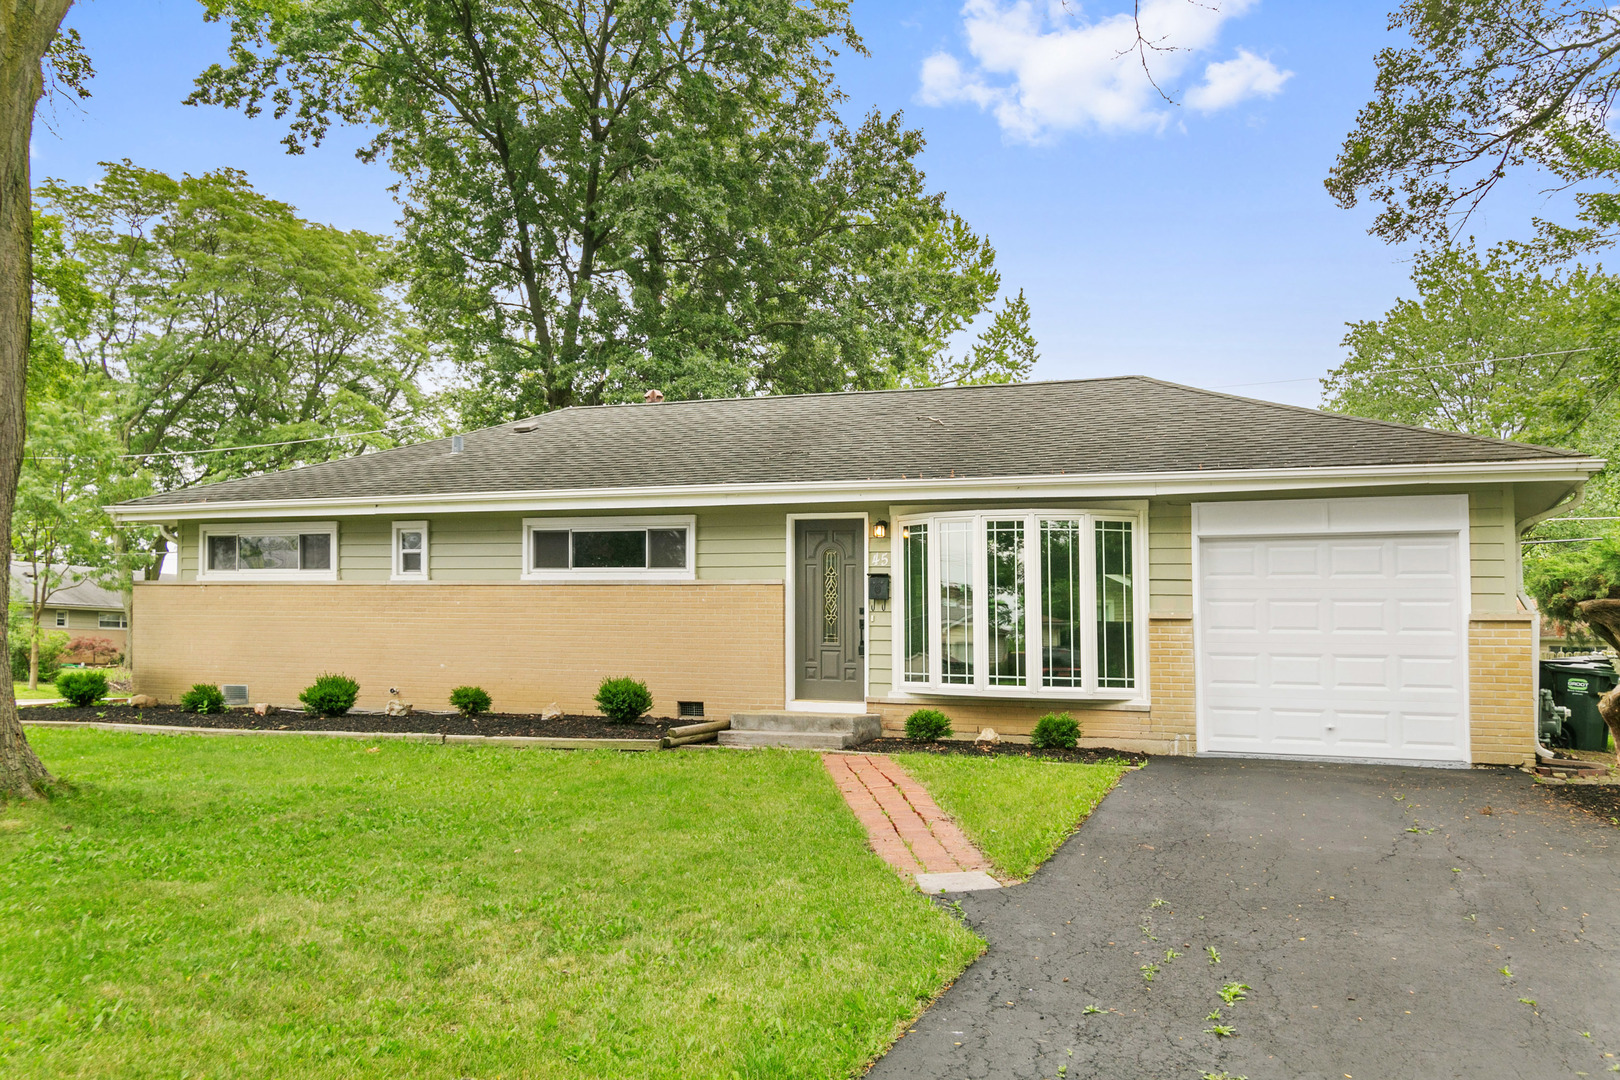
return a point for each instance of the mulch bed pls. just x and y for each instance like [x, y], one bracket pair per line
[563, 727]
[1600, 799]
[1004, 749]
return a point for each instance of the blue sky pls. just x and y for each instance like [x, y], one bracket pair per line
[1191, 242]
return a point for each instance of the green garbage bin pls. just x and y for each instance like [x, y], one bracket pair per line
[1577, 685]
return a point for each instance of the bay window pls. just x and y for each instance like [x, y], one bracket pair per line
[1020, 603]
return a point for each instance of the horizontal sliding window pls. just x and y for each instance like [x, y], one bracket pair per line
[269, 552]
[1021, 603]
[608, 548]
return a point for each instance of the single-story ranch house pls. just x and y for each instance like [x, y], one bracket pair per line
[1182, 570]
[79, 609]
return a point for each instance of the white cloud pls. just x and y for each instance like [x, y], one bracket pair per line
[1043, 70]
[1230, 81]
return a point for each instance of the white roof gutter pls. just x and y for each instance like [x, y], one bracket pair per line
[1063, 486]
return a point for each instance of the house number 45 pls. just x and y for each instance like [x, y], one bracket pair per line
[880, 558]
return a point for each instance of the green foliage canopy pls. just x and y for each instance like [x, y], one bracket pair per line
[603, 197]
[1483, 88]
[221, 318]
[1490, 347]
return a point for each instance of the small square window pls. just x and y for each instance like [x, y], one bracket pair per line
[315, 551]
[410, 549]
[61, 618]
[222, 552]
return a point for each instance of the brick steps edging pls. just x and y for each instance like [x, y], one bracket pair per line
[531, 741]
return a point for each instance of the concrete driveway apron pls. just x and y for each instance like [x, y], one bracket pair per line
[1370, 910]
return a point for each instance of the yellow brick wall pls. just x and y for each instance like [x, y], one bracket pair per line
[1501, 699]
[1166, 727]
[715, 642]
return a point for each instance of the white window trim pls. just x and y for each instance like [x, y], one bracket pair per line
[1089, 691]
[225, 528]
[398, 574]
[611, 524]
[123, 620]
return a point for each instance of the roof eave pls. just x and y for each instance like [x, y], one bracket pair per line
[1093, 485]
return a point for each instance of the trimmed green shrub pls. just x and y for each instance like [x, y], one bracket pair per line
[52, 644]
[928, 725]
[1055, 731]
[204, 697]
[623, 699]
[470, 700]
[330, 695]
[82, 688]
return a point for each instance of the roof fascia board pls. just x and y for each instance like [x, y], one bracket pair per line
[1095, 486]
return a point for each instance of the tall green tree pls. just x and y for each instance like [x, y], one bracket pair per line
[1490, 346]
[604, 196]
[26, 33]
[222, 319]
[73, 467]
[1484, 88]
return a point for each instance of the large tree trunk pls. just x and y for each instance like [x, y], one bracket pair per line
[26, 30]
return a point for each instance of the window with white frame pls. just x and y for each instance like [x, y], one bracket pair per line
[1020, 603]
[283, 551]
[629, 549]
[112, 620]
[61, 617]
[410, 551]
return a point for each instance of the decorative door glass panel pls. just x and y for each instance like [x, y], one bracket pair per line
[956, 602]
[1061, 642]
[829, 596]
[1116, 637]
[1004, 567]
[914, 544]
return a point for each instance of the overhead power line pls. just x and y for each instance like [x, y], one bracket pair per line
[1423, 367]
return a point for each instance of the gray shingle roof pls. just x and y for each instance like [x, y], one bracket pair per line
[83, 594]
[1092, 426]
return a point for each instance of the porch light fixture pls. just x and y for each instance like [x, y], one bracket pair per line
[880, 529]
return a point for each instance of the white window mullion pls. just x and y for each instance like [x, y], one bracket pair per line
[1034, 627]
[934, 608]
[979, 610]
[1088, 601]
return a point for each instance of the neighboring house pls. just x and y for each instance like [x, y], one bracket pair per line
[81, 609]
[1183, 570]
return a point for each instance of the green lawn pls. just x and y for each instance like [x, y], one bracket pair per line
[45, 692]
[1018, 810]
[287, 908]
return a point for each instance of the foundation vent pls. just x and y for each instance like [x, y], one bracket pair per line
[235, 693]
[690, 708]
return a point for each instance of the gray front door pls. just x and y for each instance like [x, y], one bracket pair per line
[830, 609]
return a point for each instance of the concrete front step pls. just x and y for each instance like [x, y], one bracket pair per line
[794, 740]
[811, 731]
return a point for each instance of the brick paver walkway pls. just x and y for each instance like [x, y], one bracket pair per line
[906, 827]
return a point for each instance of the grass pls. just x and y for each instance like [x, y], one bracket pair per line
[1018, 810]
[46, 691]
[285, 908]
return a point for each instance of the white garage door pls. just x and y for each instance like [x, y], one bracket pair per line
[1349, 645]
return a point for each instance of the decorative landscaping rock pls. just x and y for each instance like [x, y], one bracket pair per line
[263, 709]
[143, 701]
[550, 712]
[988, 737]
[398, 708]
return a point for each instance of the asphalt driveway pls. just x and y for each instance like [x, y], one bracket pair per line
[1371, 910]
